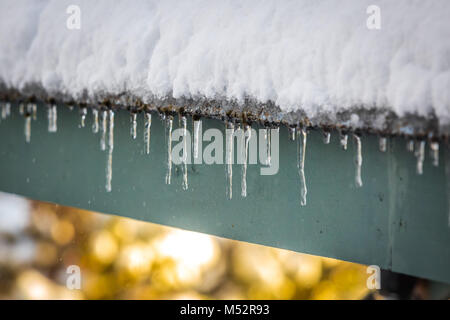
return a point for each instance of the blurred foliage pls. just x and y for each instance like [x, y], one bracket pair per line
[122, 258]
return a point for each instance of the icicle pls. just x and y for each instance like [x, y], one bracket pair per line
[247, 136]
[52, 118]
[4, 111]
[27, 128]
[104, 127]
[83, 113]
[185, 157]
[21, 108]
[268, 138]
[343, 140]
[169, 124]
[34, 111]
[110, 151]
[95, 120]
[301, 152]
[292, 133]
[229, 158]
[8, 109]
[382, 143]
[410, 145]
[358, 161]
[197, 124]
[326, 137]
[133, 129]
[420, 154]
[148, 124]
[434, 148]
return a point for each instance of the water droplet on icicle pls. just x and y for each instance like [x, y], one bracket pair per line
[382, 144]
[326, 137]
[434, 150]
[410, 145]
[358, 160]
[343, 140]
[104, 128]
[110, 151]
[133, 128]
[52, 115]
[420, 155]
[95, 120]
[83, 113]
[301, 152]
[185, 156]
[197, 125]
[247, 136]
[147, 127]
[169, 125]
[229, 132]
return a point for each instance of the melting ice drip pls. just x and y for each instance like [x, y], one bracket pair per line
[229, 158]
[95, 120]
[110, 151]
[301, 151]
[358, 160]
[147, 127]
[197, 125]
[185, 156]
[133, 128]
[104, 128]
[169, 125]
[52, 115]
[83, 113]
[247, 136]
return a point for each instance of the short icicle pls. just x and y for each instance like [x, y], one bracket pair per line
[420, 155]
[83, 113]
[358, 160]
[185, 156]
[292, 133]
[247, 136]
[133, 129]
[147, 127]
[229, 158]
[410, 145]
[382, 143]
[326, 137]
[343, 140]
[434, 150]
[27, 128]
[169, 125]
[104, 128]
[197, 124]
[301, 152]
[110, 151]
[95, 120]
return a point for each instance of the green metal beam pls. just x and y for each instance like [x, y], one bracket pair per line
[397, 220]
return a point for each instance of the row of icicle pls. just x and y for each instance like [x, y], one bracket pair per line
[103, 120]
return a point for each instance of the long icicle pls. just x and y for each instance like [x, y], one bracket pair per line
[185, 156]
[169, 124]
[229, 158]
[301, 152]
[247, 136]
[110, 151]
[358, 161]
[147, 127]
[420, 154]
[133, 129]
[27, 128]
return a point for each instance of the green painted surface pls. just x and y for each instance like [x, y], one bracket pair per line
[397, 220]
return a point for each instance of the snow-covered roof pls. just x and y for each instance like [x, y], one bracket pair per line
[324, 60]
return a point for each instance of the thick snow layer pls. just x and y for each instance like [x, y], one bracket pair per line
[311, 55]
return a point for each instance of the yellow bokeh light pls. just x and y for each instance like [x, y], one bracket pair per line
[104, 246]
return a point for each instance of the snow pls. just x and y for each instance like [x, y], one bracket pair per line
[14, 213]
[317, 56]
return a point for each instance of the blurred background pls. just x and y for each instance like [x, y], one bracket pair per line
[121, 258]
